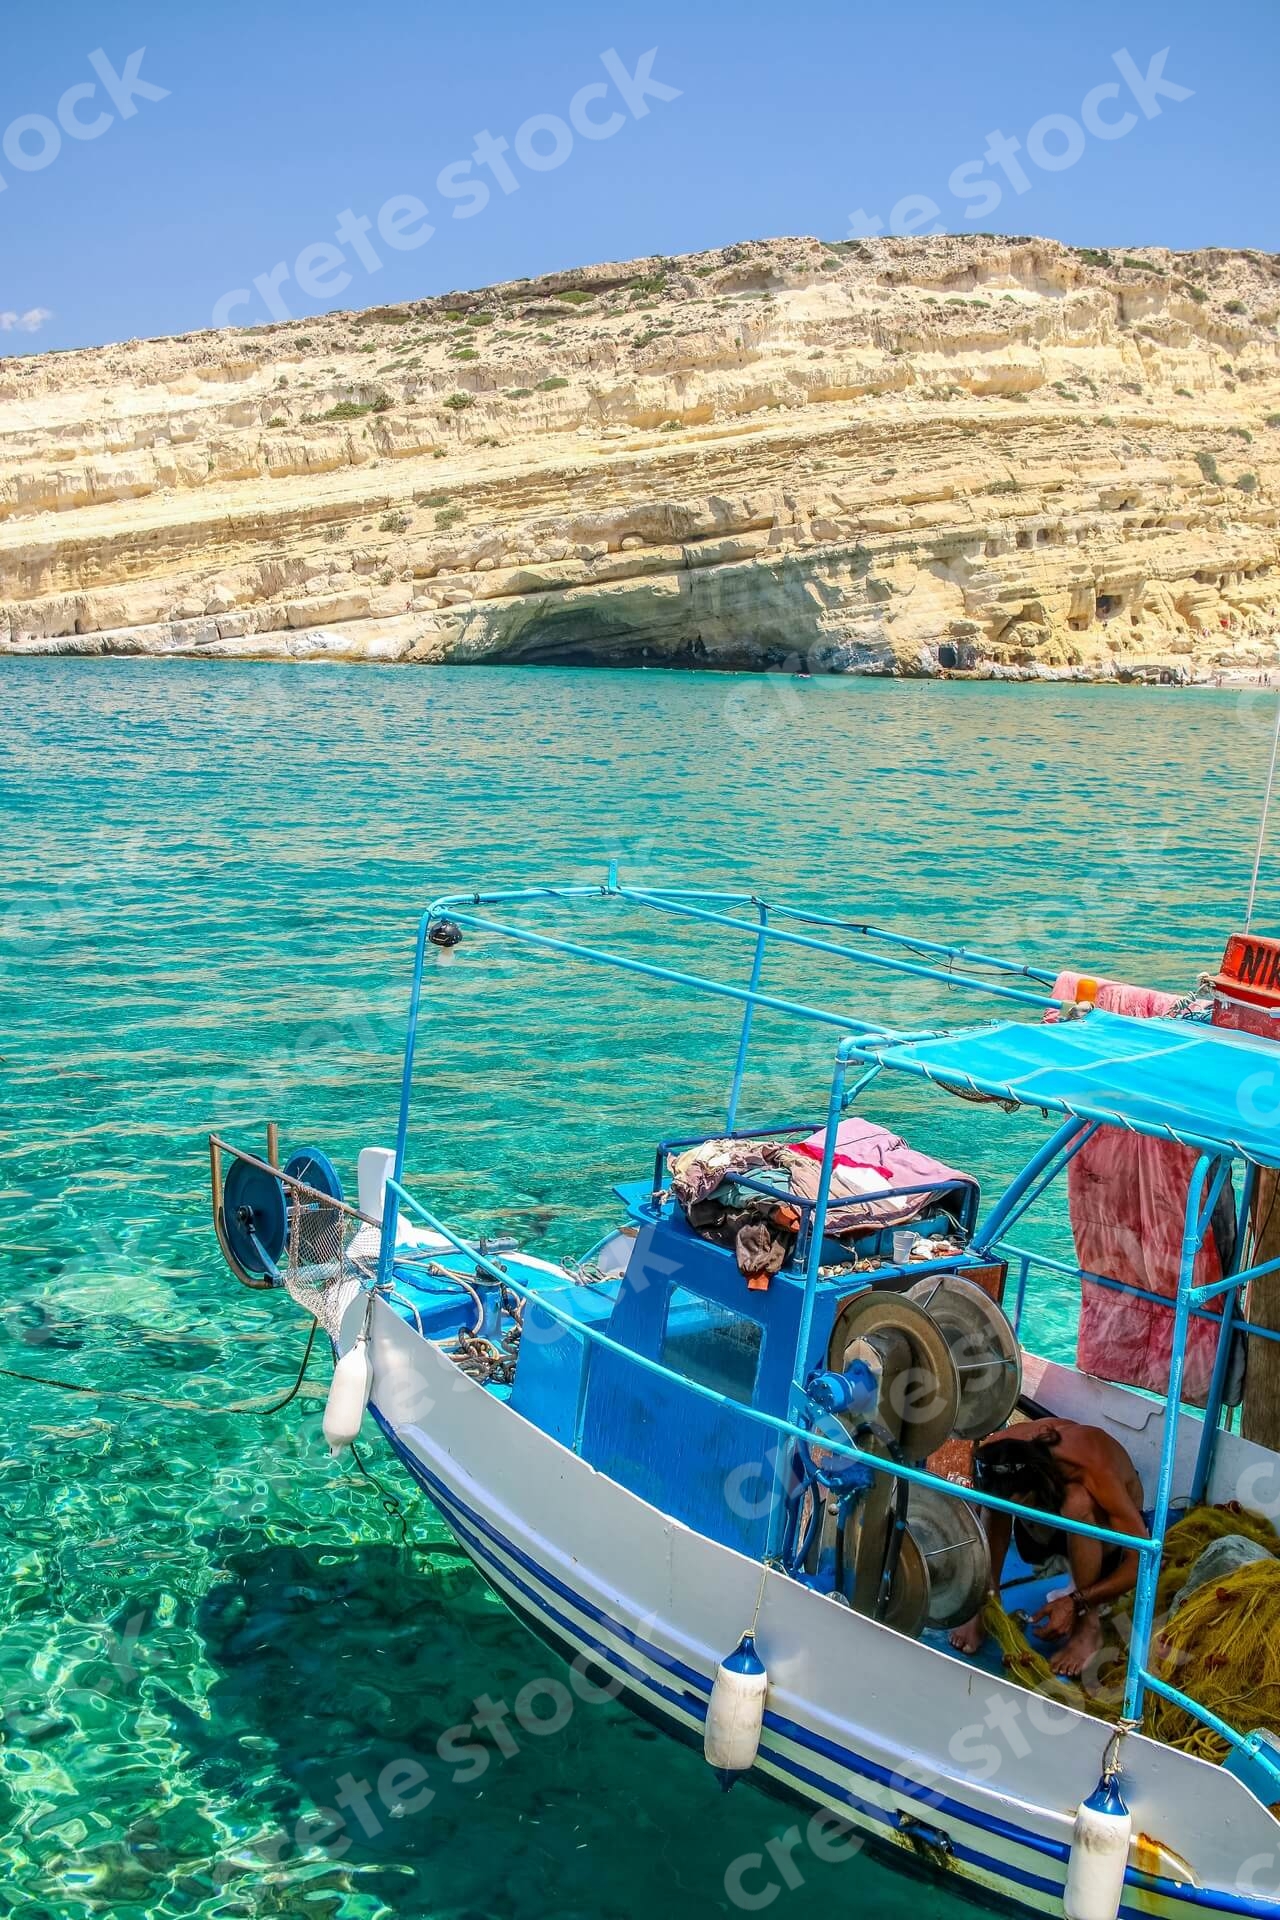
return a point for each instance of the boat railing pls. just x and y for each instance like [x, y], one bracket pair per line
[1027, 1257]
[916, 1476]
[1149, 1548]
[704, 906]
[859, 1050]
[1254, 1746]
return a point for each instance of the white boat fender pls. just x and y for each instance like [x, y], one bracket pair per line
[735, 1712]
[349, 1392]
[1099, 1849]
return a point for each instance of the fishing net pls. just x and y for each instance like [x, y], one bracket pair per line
[331, 1252]
[1221, 1648]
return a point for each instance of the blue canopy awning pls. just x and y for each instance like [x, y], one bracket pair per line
[1172, 1079]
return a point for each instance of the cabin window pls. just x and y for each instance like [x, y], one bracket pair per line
[712, 1345]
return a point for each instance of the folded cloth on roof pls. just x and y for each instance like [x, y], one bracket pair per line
[698, 1171]
[850, 1181]
[869, 1162]
[868, 1158]
[762, 1231]
[759, 1227]
[1127, 1196]
[764, 1240]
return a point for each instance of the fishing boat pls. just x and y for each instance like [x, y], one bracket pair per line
[708, 1463]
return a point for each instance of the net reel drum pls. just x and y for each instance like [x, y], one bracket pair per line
[984, 1347]
[946, 1364]
[264, 1213]
[917, 1398]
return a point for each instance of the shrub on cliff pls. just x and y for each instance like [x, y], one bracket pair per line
[354, 409]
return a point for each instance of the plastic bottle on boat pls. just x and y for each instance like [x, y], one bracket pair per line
[348, 1394]
[735, 1712]
[1099, 1854]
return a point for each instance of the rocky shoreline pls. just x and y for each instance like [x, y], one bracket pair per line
[968, 457]
[336, 649]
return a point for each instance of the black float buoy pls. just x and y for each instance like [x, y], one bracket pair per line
[444, 934]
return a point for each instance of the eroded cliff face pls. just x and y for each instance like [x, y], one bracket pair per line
[890, 455]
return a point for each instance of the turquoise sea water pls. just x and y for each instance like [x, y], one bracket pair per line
[209, 890]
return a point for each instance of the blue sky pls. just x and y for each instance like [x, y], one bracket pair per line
[790, 119]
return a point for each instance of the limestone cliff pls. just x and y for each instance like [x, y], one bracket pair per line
[888, 455]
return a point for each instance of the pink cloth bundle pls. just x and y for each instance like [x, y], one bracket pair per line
[862, 1147]
[1127, 1197]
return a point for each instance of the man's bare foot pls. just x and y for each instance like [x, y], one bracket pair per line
[969, 1637]
[1080, 1648]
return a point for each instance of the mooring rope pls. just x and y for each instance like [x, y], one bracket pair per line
[390, 1503]
[160, 1400]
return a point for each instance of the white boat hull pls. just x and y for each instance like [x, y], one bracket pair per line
[914, 1748]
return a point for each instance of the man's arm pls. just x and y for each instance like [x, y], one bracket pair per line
[1112, 1498]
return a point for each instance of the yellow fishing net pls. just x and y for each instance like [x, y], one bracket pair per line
[1221, 1648]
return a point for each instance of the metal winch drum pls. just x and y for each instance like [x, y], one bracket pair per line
[904, 1346]
[949, 1366]
[952, 1542]
[984, 1348]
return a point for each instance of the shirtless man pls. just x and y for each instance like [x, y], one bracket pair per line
[1081, 1473]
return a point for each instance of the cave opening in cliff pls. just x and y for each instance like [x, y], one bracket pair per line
[586, 637]
[582, 637]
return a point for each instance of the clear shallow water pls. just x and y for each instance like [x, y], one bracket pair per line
[210, 885]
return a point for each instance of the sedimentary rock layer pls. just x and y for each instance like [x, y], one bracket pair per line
[958, 454]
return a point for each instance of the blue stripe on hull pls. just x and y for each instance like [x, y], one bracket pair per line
[581, 1640]
[480, 1538]
[902, 1859]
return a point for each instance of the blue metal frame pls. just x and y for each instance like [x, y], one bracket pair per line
[1144, 1605]
[915, 1476]
[1040, 1172]
[740, 1064]
[860, 1043]
[663, 904]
